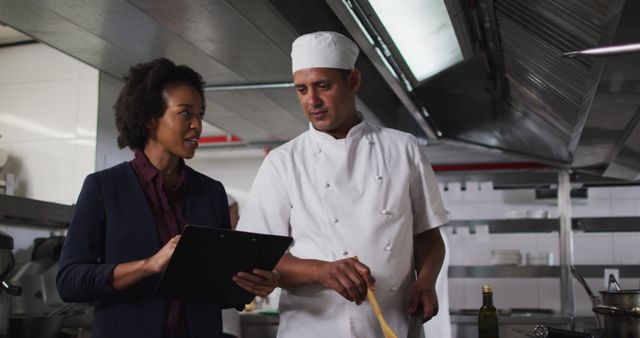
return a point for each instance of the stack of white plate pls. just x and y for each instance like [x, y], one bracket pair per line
[539, 258]
[538, 213]
[506, 257]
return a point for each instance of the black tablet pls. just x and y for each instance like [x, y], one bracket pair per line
[206, 259]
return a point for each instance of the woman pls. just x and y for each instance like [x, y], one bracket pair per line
[128, 218]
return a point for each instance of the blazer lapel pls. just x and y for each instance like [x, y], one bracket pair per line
[199, 209]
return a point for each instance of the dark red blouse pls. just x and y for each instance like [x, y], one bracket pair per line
[169, 214]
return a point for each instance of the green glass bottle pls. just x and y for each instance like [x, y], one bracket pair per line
[488, 316]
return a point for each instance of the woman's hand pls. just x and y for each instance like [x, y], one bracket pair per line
[127, 274]
[158, 262]
[259, 282]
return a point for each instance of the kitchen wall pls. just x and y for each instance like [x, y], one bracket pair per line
[107, 152]
[47, 120]
[589, 248]
[47, 124]
[236, 169]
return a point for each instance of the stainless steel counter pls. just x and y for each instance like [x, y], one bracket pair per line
[463, 326]
[553, 320]
[466, 326]
[258, 325]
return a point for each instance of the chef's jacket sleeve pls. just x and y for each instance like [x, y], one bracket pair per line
[268, 209]
[426, 203]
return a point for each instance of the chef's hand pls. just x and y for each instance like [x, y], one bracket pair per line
[423, 297]
[159, 261]
[348, 277]
[259, 282]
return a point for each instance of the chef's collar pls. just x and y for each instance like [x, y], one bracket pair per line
[354, 133]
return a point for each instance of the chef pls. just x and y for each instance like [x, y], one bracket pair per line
[347, 188]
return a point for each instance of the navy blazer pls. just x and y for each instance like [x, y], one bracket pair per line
[113, 224]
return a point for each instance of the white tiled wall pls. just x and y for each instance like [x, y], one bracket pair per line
[107, 152]
[589, 248]
[235, 168]
[47, 120]
[48, 115]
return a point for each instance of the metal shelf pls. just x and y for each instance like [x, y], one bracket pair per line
[533, 225]
[533, 320]
[502, 226]
[528, 178]
[16, 210]
[537, 271]
[501, 271]
[606, 224]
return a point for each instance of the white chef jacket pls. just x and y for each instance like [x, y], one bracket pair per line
[440, 325]
[365, 195]
[231, 322]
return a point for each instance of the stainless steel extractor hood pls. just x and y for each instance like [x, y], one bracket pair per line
[513, 97]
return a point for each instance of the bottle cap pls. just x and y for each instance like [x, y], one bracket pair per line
[487, 288]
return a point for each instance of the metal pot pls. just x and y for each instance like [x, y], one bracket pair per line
[621, 310]
[35, 326]
[6, 289]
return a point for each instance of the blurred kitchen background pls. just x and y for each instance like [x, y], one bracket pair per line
[508, 123]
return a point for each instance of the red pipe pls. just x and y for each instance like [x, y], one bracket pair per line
[219, 139]
[436, 168]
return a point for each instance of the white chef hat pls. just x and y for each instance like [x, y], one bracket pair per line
[323, 50]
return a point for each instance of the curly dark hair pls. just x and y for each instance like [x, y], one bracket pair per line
[141, 101]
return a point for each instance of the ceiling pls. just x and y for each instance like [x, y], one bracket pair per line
[9, 36]
[513, 98]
